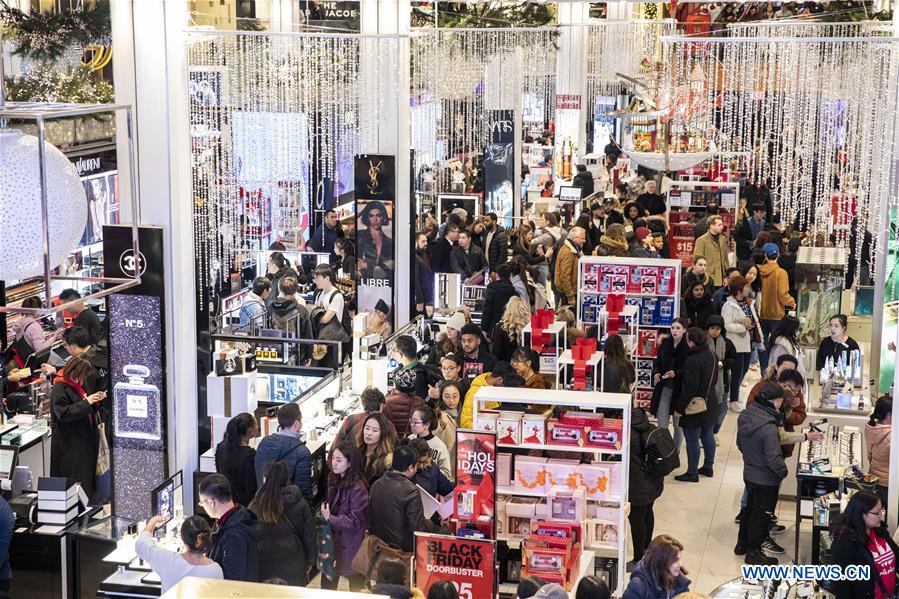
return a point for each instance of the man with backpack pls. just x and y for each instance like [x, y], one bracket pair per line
[332, 324]
[287, 445]
[653, 456]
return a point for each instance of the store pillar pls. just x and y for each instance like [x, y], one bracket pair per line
[571, 83]
[148, 38]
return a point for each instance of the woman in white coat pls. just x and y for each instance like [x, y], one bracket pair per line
[741, 322]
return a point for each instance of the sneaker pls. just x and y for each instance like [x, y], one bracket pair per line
[717, 441]
[769, 546]
[735, 407]
[757, 558]
[754, 367]
[737, 518]
[740, 549]
[773, 518]
[686, 477]
[707, 472]
[776, 529]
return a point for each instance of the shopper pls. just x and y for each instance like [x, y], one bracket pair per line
[477, 359]
[593, 222]
[395, 512]
[666, 373]
[592, 587]
[449, 405]
[346, 254]
[496, 296]
[441, 248]
[277, 268]
[699, 374]
[763, 470]
[528, 586]
[390, 581]
[423, 423]
[525, 363]
[346, 511]
[721, 294]
[288, 446]
[450, 372]
[838, 345]
[443, 589]
[697, 274]
[742, 326]
[713, 246]
[289, 314]
[428, 475]
[468, 260]
[617, 370]
[506, 336]
[643, 246]
[423, 279]
[84, 316]
[775, 297]
[76, 342]
[725, 354]
[233, 545]
[405, 351]
[651, 202]
[375, 440]
[613, 242]
[696, 304]
[235, 459]
[7, 526]
[28, 331]
[878, 438]
[643, 488]
[401, 401]
[501, 375]
[496, 242]
[372, 400]
[332, 303]
[172, 566]
[535, 256]
[285, 537]
[659, 575]
[784, 341]
[450, 341]
[74, 418]
[565, 275]
[552, 590]
[860, 538]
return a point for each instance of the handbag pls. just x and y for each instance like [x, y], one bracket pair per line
[373, 551]
[697, 404]
[102, 451]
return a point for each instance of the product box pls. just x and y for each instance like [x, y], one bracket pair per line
[486, 421]
[218, 425]
[643, 399]
[468, 504]
[533, 429]
[590, 309]
[504, 470]
[666, 281]
[634, 279]
[231, 361]
[664, 314]
[566, 505]
[508, 428]
[597, 481]
[591, 277]
[562, 473]
[649, 280]
[556, 533]
[519, 511]
[604, 436]
[601, 533]
[230, 395]
[618, 283]
[559, 433]
[500, 514]
[582, 418]
[648, 343]
[530, 474]
[648, 311]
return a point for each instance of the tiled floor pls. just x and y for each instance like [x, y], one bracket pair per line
[701, 515]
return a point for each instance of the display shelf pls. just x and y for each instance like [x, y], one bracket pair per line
[511, 491]
[549, 447]
[595, 361]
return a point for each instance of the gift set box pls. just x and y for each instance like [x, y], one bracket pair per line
[231, 361]
[486, 420]
[538, 475]
[230, 395]
[643, 399]
[552, 552]
[533, 429]
[508, 428]
[647, 345]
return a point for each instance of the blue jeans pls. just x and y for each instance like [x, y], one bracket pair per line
[767, 327]
[706, 435]
[665, 412]
[741, 367]
[722, 412]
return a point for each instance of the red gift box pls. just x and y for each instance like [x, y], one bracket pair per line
[559, 433]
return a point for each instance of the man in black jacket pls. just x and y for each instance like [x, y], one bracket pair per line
[496, 242]
[643, 488]
[395, 510]
[467, 259]
[233, 536]
[476, 359]
[584, 180]
[496, 296]
[440, 249]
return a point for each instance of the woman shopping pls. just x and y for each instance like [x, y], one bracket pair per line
[877, 442]
[172, 566]
[784, 340]
[666, 374]
[742, 325]
[644, 488]
[617, 370]
[236, 459]
[659, 574]
[375, 440]
[698, 393]
[347, 512]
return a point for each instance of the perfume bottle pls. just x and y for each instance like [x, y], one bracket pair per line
[136, 406]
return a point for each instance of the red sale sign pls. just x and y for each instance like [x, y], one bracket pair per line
[475, 493]
[467, 563]
[681, 242]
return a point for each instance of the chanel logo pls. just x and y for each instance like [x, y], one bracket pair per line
[129, 263]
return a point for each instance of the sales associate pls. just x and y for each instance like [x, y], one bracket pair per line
[84, 316]
[838, 344]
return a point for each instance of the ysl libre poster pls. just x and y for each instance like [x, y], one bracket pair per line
[375, 192]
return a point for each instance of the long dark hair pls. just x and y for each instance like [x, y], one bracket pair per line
[78, 368]
[661, 553]
[268, 504]
[788, 328]
[883, 407]
[614, 352]
[851, 523]
[237, 428]
[354, 473]
[196, 534]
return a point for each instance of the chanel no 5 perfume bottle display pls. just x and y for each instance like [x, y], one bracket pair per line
[137, 409]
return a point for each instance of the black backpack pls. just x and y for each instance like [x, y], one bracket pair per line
[660, 456]
[552, 262]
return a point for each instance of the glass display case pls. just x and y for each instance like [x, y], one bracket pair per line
[820, 278]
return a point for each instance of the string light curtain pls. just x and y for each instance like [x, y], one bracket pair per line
[454, 71]
[816, 116]
[271, 115]
[803, 28]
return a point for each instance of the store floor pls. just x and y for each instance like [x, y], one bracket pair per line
[701, 515]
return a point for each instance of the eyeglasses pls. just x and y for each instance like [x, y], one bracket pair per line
[879, 512]
[416, 422]
[207, 501]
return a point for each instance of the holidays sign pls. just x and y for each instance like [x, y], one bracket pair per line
[468, 563]
[475, 493]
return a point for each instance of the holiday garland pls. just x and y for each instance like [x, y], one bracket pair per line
[47, 84]
[46, 37]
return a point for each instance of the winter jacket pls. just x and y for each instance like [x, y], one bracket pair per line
[439, 252]
[288, 448]
[466, 415]
[697, 310]
[324, 237]
[252, 311]
[731, 312]
[718, 298]
[643, 488]
[610, 247]
[848, 550]
[432, 480]
[501, 345]
[877, 442]
[669, 357]
[565, 276]
[394, 591]
[548, 238]
[424, 280]
[759, 442]
[74, 443]
[241, 475]
[32, 331]
[349, 521]
[790, 418]
[398, 408]
[643, 585]
[285, 549]
[726, 356]
[700, 373]
[446, 432]
[640, 251]
[775, 298]
[440, 454]
[521, 288]
[714, 249]
[275, 278]
[584, 180]
[691, 279]
[289, 316]
[234, 545]
[467, 263]
[496, 296]
[395, 512]
[498, 251]
[530, 255]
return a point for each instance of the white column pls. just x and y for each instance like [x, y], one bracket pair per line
[150, 66]
[571, 68]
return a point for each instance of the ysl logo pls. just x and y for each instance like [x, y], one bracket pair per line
[374, 171]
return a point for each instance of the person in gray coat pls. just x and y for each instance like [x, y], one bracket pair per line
[763, 470]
